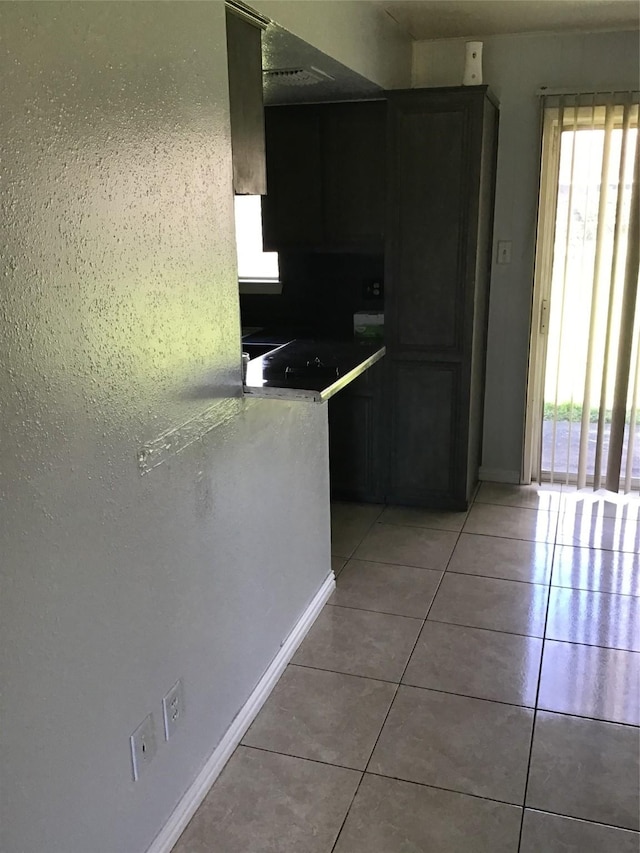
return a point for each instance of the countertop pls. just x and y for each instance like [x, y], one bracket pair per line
[311, 370]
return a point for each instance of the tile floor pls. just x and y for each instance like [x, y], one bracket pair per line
[472, 686]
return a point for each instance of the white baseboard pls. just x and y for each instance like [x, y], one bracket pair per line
[499, 475]
[188, 805]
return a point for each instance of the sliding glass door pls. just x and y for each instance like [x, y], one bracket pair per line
[584, 420]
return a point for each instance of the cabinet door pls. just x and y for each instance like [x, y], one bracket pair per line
[356, 457]
[425, 461]
[292, 208]
[430, 199]
[244, 54]
[354, 174]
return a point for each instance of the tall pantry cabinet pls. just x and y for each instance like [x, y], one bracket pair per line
[441, 153]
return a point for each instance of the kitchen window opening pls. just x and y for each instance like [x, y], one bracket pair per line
[258, 271]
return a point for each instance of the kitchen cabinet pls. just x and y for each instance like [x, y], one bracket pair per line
[244, 57]
[326, 177]
[440, 176]
[356, 438]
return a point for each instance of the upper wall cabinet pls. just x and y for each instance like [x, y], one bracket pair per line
[244, 53]
[326, 176]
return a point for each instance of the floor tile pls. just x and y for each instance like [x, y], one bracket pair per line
[585, 769]
[532, 497]
[509, 559]
[349, 523]
[338, 564]
[512, 522]
[358, 642]
[589, 681]
[594, 618]
[389, 816]
[407, 546]
[264, 801]
[517, 608]
[595, 530]
[403, 590]
[600, 571]
[322, 715]
[454, 742]
[417, 517]
[475, 662]
[549, 833]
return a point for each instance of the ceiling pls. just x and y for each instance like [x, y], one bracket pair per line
[436, 19]
[431, 19]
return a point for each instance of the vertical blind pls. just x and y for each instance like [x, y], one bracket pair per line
[591, 141]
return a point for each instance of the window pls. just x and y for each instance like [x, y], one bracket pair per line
[258, 271]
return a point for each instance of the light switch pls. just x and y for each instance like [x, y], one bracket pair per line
[504, 251]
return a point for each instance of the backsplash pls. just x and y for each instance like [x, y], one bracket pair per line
[320, 292]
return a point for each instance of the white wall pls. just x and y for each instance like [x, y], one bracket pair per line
[119, 321]
[358, 34]
[515, 67]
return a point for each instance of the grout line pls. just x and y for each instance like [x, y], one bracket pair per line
[511, 538]
[355, 794]
[535, 711]
[301, 757]
[468, 695]
[495, 630]
[592, 646]
[519, 506]
[341, 672]
[440, 788]
[524, 707]
[399, 565]
[596, 591]
[422, 526]
[412, 652]
[587, 717]
[584, 820]
[380, 612]
[361, 540]
[348, 811]
[386, 716]
[492, 578]
[601, 591]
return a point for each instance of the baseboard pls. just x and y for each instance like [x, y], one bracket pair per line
[188, 805]
[499, 475]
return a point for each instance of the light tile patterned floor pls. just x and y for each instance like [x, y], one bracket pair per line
[472, 686]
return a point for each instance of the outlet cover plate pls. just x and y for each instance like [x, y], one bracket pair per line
[143, 746]
[173, 708]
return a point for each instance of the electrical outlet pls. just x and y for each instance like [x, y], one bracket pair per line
[373, 290]
[173, 708]
[143, 746]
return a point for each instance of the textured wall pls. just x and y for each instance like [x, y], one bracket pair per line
[515, 67]
[119, 324]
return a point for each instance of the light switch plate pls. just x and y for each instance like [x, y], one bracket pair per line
[143, 746]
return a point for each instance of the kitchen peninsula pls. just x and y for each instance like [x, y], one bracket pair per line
[309, 370]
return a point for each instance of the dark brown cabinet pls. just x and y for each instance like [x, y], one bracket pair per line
[440, 173]
[420, 170]
[356, 438]
[326, 177]
[244, 57]
[292, 209]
